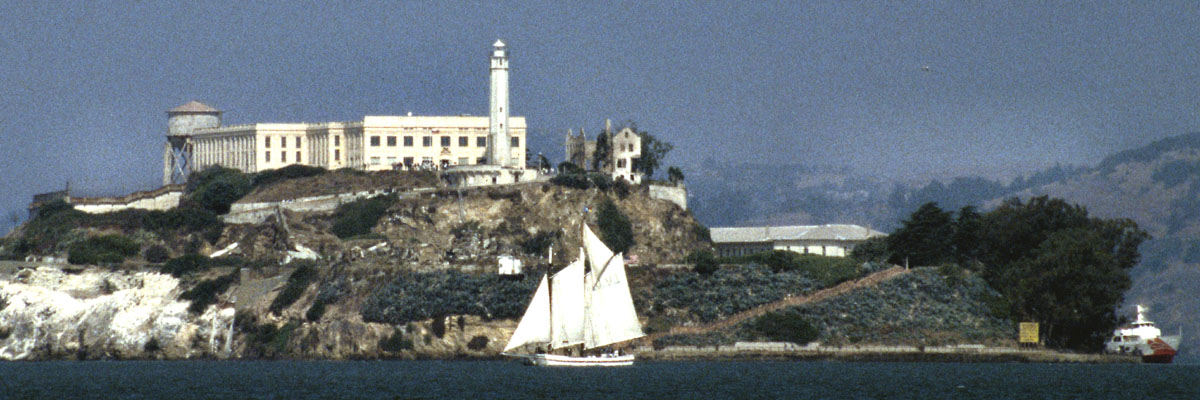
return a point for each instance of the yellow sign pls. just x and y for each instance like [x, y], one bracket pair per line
[1029, 332]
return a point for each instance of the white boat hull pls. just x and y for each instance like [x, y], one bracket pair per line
[554, 360]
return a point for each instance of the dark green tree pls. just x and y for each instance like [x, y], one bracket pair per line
[602, 157]
[1058, 267]
[675, 175]
[872, 250]
[967, 228]
[653, 153]
[216, 188]
[615, 229]
[926, 238]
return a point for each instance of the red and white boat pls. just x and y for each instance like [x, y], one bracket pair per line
[1142, 337]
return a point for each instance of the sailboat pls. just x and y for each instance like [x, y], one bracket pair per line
[579, 311]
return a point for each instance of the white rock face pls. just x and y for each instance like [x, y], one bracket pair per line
[52, 314]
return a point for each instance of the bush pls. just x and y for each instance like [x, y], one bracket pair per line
[438, 327]
[419, 296]
[186, 264]
[827, 271]
[539, 243]
[205, 293]
[156, 254]
[297, 283]
[358, 217]
[785, 327]
[106, 249]
[615, 229]
[289, 172]
[216, 188]
[396, 343]
[478, 343]
[703, 262]
[727, 291]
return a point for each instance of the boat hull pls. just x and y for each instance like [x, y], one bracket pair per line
[555, 360]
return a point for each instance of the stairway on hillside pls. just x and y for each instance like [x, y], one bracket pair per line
[823, 294]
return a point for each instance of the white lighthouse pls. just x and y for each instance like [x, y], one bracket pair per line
[499, 152]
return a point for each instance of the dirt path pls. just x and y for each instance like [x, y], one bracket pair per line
[842, 288]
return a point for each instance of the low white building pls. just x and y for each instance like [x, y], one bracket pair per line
[835, 240]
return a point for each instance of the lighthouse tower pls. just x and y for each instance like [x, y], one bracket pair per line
[499, 152]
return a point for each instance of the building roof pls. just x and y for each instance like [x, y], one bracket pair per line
[194, 107]
[842, 232]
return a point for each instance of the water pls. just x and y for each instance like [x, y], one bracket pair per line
[648, 380]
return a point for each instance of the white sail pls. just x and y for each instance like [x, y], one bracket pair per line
[567, 305]
[535, 325]
[612, 316]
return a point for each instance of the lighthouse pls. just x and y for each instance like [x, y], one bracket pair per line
[499, 152]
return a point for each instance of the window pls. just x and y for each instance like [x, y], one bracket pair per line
[427, 141]
[283, 156]
[374, 160]
[391, 141]
[445, 141]
[481, 141]
[408, 141]
[408, 161]
[427, 162]
[283, 141]
[516, 141]
[621, 163]
[481, 160]
[462, 161]
[298, 142]
[391, 160]
[374, 141]
[267, 144]
[462, 141]
[268, 156]
[337, 140]
[337, 155]
[298, 157]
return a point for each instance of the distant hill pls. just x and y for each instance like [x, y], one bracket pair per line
[1157, 185]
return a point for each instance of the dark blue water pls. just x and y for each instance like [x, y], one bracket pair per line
[647, 380]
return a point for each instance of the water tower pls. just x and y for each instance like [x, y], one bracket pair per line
[182, 122]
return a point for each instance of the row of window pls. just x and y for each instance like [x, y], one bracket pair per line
[283, 156]
[337, 141]
[427, 141]
[425, 161]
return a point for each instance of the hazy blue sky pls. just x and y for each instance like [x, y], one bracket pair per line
[1011, 86]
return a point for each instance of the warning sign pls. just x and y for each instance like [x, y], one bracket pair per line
[1029, 333]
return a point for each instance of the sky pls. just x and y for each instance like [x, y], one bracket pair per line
[899, 90]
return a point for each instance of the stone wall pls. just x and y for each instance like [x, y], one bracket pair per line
[253, 213]
[675, 194]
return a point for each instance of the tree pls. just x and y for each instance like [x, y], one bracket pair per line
[615, 229]
[1057, 266]
[603, 154]
[675, 175]
[926, 238]
[216, 188]
[967, 229]
[543, 162]
[653, 152]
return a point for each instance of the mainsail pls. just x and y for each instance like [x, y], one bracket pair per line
[535, 325]
[612, 317]
[567, 306]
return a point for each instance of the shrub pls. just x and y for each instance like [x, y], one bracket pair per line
[186, 264]
[438, 327]
[615, 229]
[156, 254]
[297, 283]
[827, 271]
[785, 327]
[358, 217]
[205, 293]
[725, 292]
[478, 343]
[539, 243]
[420, 296]
[703, 262]
[396, 343]
[106, 249]
[152, 345]
[289, 172]
[216, 188]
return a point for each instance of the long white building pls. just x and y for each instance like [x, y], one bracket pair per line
[836, 240]
[196, 138]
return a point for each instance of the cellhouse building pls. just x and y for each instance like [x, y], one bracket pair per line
[468, 150]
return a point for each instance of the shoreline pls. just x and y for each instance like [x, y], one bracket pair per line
[884, 354]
